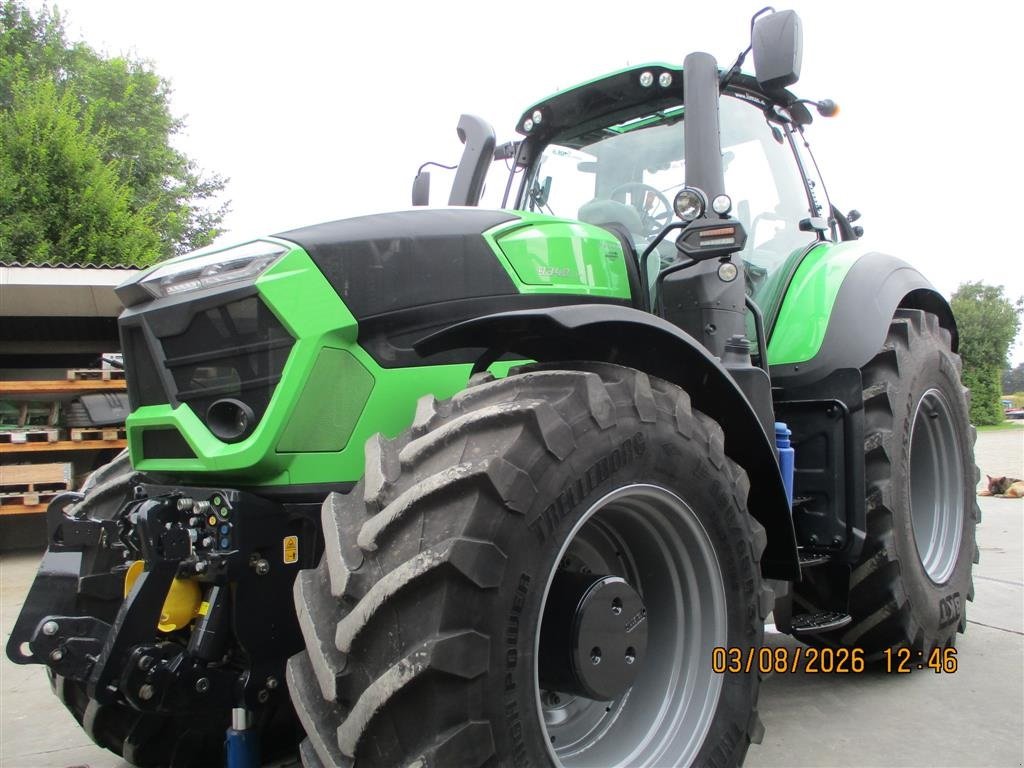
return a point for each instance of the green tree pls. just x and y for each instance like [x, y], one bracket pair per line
[124, 106]
[988, 323]
[59, 200]
[1013, 379]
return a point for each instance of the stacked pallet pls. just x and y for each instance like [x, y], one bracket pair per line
[32, 485]
[29, 435]
[95, 374]
[51, 420]
[74, 420]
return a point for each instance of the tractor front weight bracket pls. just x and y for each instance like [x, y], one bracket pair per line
[197, 586]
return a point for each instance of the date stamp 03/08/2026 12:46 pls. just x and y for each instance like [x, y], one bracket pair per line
[830, 660]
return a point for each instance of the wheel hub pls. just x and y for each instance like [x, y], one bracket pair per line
[593, 636]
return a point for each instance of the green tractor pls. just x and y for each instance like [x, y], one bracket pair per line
[465, 487]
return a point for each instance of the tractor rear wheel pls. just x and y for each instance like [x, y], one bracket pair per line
[536, 573]
[910, 585]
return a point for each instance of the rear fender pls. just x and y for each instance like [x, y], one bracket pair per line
[837, 311]
[629, 337]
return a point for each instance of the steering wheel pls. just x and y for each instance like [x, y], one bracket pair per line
[654, 208]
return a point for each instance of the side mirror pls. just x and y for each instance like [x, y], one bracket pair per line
[777, 44]
[421, 188]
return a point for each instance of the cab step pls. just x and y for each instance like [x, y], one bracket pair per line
[810, 559]
[816, 623]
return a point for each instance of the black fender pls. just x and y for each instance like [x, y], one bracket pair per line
[873, 289]
[630, 337]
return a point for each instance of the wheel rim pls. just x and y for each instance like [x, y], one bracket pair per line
[936, 486]
[654, 540]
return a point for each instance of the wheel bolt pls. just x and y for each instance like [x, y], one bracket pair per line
[552, 699]
[202, 685]
[146, 692]
[50, 628]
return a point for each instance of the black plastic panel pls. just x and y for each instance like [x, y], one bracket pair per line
[390, 338]
[165, 443]
[144, 385]
[394, 261]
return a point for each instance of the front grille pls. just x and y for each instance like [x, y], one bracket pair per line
[233, 350]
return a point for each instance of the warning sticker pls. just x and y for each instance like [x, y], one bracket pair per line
[291, 549]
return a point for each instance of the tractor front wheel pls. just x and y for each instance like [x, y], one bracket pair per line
[537, 573]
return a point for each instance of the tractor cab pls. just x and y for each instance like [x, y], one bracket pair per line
[655, 154]
[624, 167]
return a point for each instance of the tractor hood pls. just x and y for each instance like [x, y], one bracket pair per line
[388, 262]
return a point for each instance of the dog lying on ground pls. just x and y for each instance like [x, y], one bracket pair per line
[1007, 487]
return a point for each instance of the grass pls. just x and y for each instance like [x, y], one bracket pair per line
[1016, 424]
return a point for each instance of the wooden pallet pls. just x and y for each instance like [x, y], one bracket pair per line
[38, 435]
[29, 413]
[62, 445]
[78, 434]
[28, 479]
[95, 374]
[29, 499]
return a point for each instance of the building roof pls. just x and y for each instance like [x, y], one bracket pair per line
[60, 290]
[68, 265]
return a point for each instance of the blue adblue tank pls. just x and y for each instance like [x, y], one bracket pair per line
[787, 458]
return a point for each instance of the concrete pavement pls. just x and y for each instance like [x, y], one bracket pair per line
[973, 717]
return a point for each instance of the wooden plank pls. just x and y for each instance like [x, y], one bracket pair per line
[17, 477]
[63, 445]
[22, 509]
[59, 387]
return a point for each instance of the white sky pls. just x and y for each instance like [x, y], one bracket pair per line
[318, 110]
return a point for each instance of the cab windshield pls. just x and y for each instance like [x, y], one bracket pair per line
[628, 173]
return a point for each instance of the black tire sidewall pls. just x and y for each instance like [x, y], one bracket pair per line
[937, 608]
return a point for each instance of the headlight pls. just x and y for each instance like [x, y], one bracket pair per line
[690, 203]
[232, 265]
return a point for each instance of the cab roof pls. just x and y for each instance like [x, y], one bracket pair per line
[622, 96]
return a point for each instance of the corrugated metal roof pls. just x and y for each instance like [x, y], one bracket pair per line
[66, 265]
[53, 291]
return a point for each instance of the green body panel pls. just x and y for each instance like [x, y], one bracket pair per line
[807, 306]
[332, 395]
[544, 254]
[309, 307]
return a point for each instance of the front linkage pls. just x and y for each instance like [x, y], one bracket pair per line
[170, 600]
